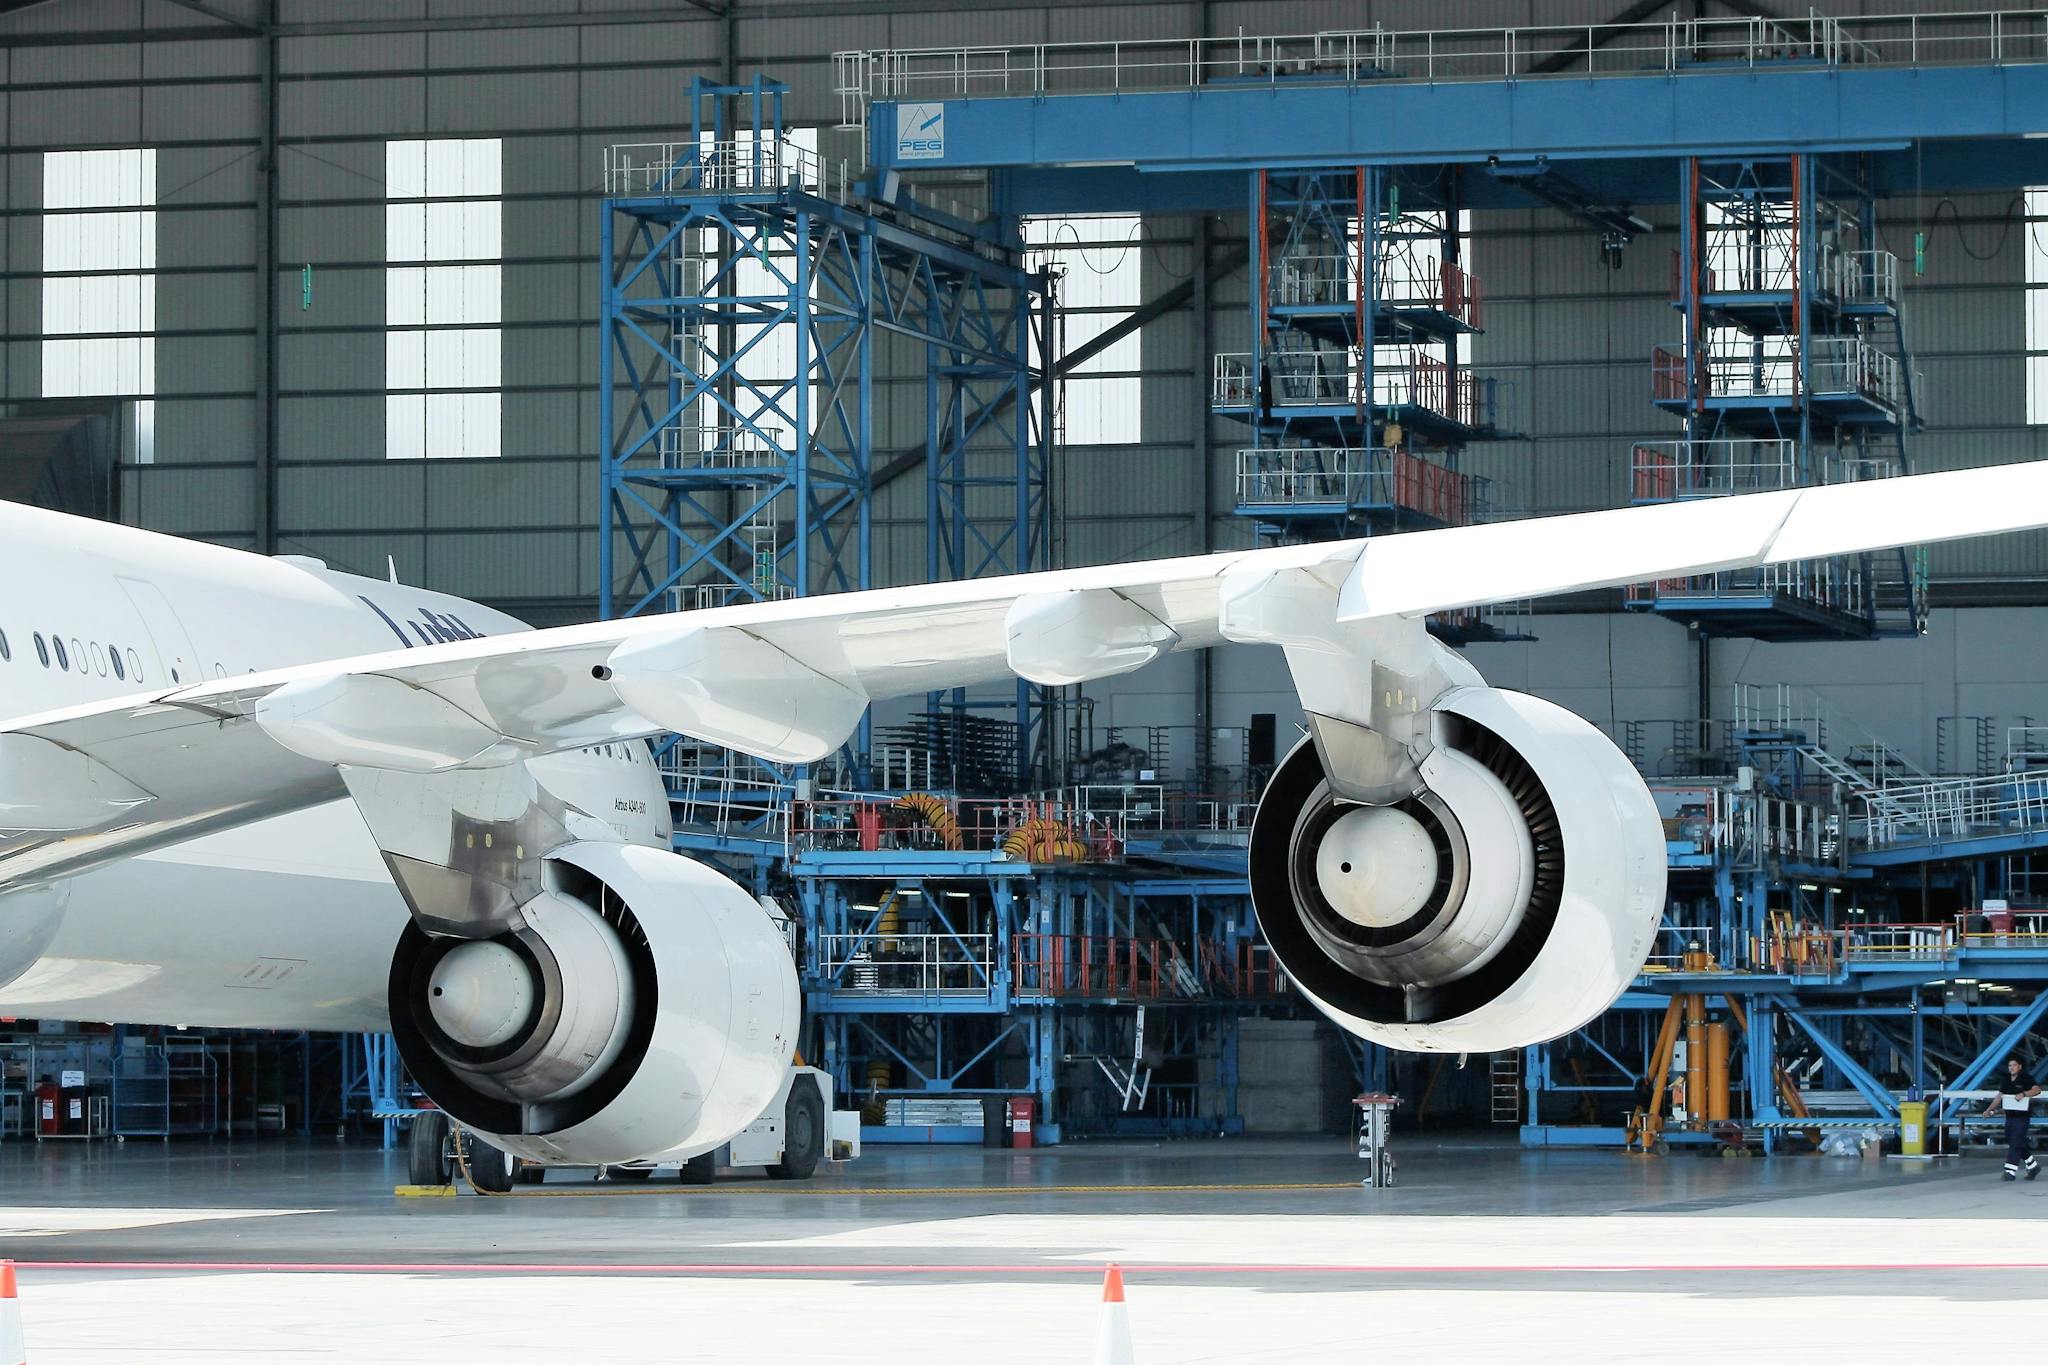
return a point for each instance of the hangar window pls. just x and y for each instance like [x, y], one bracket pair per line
[443, 297]
[1099, 261]
[99, 281]
[2037, 305]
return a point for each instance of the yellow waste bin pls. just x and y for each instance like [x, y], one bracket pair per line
[1913, 1128]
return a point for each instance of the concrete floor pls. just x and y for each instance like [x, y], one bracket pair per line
[1239, 1251]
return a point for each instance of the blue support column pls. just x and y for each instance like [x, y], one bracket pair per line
[1974, 1075]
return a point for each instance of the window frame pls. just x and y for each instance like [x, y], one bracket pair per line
[444, 306]
[99, 266]
[1111, 389]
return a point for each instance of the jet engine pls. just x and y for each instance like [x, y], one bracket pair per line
[647, 1006]
[1509, 899]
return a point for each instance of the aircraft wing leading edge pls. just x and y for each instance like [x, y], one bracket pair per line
[788, 680]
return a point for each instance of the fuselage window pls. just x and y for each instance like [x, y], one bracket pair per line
[114, 658]
[135, 665]
[42, 650]
[78, 652]
[99, 659]
[63, 659]
[6, 650]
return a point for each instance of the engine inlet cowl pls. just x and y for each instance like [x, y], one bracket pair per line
[1508, 902]
[647, 1006]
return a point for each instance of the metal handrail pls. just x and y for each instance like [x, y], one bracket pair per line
[1673, 942]
[734, 165]
[1834, 365]
[1837, 584]
[1861, 276]
[1662, 471]
[1675, 47]
[1898, 942]
[878, 963]
[1318, 475]
[712, 446]
[726, 803]
[1956, 806]
[1852, 365]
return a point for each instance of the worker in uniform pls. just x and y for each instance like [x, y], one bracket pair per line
[2016, 1092]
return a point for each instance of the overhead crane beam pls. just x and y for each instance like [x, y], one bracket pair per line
[1178, 150]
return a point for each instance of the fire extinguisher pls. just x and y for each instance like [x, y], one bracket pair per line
[47, 1096]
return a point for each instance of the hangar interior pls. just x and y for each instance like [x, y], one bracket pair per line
[617, 307]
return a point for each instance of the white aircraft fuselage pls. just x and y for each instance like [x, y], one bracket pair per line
[288, 922]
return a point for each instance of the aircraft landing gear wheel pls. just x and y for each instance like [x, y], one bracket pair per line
[430, 1150]
[530, 1173]
[803, 1133]
[700, 1170]
[490, 1169]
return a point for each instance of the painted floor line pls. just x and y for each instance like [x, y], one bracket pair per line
[904, 1191]
[31, 1267]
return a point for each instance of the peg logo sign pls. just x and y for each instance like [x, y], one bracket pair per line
[920, 132]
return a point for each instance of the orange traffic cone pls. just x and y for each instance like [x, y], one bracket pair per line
[1113, 1331]
[13, 1347]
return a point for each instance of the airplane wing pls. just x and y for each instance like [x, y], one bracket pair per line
[789, 680]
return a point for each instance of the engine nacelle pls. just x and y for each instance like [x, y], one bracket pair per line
[1510, 901]
[648, 1008]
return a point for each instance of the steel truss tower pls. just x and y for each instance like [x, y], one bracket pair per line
[754, 303]
[1793, 372]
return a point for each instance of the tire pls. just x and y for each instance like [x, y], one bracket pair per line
[530, 1173]
[490, 1169]
[429, 1158]
[700, 1170]
[628, 1172]
[803, 1133]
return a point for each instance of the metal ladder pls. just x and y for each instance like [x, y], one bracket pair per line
[1504, 1074]
[1854, 780]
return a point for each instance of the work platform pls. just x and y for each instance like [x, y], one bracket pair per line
[1617, 102]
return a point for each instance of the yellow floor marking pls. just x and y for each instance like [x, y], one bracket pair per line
[898, 1192]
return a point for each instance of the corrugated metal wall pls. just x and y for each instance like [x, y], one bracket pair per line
[1571, 336]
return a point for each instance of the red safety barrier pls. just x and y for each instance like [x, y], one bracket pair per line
[1431, 490]
[1090, 966]
[1667, 374]
[1435, 386]
[1656, 475]
[1461, 294]
[1251, 973]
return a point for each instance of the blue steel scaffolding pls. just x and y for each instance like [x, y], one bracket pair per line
[958, 952]
[1792, 372]
[1829, 868]
[1357, 390]
[1857, 932]
[748, 286]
